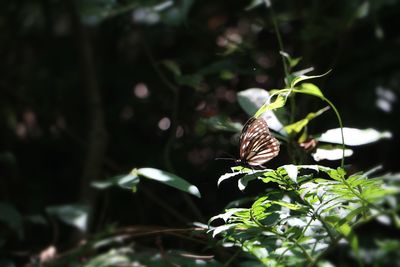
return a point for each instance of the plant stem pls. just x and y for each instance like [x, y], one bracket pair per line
[280, 43]
[341, 127]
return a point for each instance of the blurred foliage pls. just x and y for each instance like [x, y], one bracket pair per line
[168, 76]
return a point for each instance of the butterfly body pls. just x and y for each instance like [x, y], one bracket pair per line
[257, 145]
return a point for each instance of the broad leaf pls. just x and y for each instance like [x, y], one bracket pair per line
[330, 153]
[299, 125]
[169, 179]
[309, 89]
[75, 215]
[252, 100]
[353, 136]
[227, 176]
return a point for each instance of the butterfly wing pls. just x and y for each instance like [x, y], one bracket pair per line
[257, 145]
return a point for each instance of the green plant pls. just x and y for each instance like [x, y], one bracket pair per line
[306, 210]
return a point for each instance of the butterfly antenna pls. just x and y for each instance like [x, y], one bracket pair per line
[232, 159]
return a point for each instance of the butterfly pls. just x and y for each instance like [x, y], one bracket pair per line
[257, 145]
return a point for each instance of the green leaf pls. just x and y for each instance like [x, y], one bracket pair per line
[301, 78]
[288, 205]
[172, 66]
[227, 176]
[75, 215]
[252, 99]
[222, 123]
[296, 127]
[279, 102]
[226, 216]
[170, 180]
[128, 181]
[291, 171]
[12, 218]
[309, 89]
[347, 232]
[291, 61]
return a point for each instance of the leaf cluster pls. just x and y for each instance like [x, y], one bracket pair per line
[313, 209]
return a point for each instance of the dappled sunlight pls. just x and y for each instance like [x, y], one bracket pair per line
[385, 99]
[164, 123]
[141, 91]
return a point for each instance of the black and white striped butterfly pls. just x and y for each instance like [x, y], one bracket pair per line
[257, 145]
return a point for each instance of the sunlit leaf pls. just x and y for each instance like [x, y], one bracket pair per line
[252, 100]
[169, 179]
[299, 125]
[309, 89]
[353, 136]
[291, 172]
[290, 60]
[227, 176]
[125, 181]
[330, 153]
[301, 78]
[75, 215]
[222, 228]
[278, 102]
[225, 216]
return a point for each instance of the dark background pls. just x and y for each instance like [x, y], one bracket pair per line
[83, 88]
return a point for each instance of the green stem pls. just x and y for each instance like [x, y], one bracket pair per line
[341, 127]
[280, 43]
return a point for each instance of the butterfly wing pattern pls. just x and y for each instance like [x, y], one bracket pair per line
[257, 145]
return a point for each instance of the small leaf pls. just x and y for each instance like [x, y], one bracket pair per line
[169, 179]
[242, 182]
[301, 78]
[299, 125]
[75, 215]
[353, 136]
[252, 100]
[172, 66]
[279, 102]
[291, 171]
[222, 123]
[124, 181]
[309, 89]
[227, 176]
[287, 205]
[225, 216]
[291, 61]
[222, 228]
